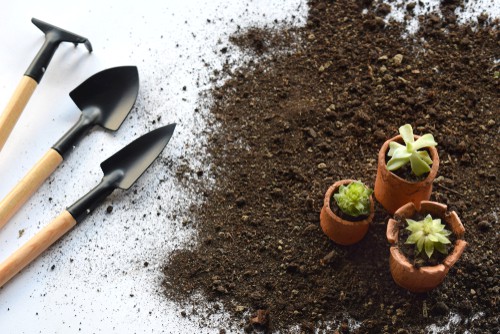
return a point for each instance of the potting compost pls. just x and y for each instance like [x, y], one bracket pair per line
[311, 106]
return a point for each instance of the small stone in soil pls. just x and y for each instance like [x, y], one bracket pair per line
[261, 318]
[484, 226]
[327, 259]
[440, 309]
[240, 201]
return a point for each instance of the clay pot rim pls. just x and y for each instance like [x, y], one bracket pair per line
[403, 260]
[326, 204]
[432, 150]
[458, 248]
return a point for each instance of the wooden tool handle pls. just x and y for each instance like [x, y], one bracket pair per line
[28, 185]
[35, 246]
[16, 105]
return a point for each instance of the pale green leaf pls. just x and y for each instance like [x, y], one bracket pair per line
[406, 133]
[429, 247]
[411, 221]
[418, 166]
[445, 233]
[433, 238]
[413, 225]
[424, 155]
[442, 239]
[437, 226]
[426, 140]
[420, 244]
[394, 164]
[393, 146]
[401, 153]
[413, 238]
[428, 219]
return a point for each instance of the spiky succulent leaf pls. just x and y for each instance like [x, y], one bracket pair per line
[440, 248]
[428, 234]
[354, 199]
[429, 247]
[420, 244]
[420, 161]
[413, 238]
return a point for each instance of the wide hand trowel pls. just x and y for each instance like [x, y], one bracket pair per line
[105, 99]
[120, 171]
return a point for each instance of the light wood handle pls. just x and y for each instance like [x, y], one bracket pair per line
[16, 198]
[16, 105]
[35, 246]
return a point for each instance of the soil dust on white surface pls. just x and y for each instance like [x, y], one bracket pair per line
[104, 276]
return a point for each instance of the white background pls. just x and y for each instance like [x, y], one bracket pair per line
[99, 265]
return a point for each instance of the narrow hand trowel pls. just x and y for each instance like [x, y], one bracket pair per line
[53, 37]
[105, 99]
[120, 171]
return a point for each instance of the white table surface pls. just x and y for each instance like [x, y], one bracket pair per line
[99, 265]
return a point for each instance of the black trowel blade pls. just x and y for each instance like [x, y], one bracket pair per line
[111, 92]
[136, 157]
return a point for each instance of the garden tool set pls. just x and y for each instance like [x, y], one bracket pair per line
[105, 99]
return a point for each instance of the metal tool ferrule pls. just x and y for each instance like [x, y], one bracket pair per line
[89, 117]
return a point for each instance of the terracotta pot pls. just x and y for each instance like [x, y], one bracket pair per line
[343, 232]
[392, 191]
[424, 278]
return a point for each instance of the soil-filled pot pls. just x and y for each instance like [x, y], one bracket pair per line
[424, 278]
[392, 191]
[341, 231]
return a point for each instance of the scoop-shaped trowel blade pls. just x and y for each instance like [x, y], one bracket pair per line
[123, 168]
[105, 99]
[111, 93]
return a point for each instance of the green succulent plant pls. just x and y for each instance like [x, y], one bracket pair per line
[402, 154]
[428, 234]
[354, 199]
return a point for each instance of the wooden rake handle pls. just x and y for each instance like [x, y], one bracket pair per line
[35, 246]
[16, 105]
[28, 185]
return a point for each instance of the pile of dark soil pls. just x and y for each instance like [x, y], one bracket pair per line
[295, 122]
